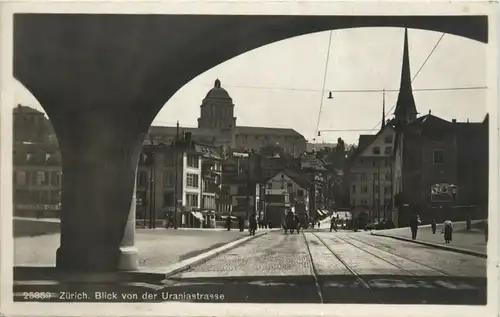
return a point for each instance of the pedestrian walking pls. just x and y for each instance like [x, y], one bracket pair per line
[252, 225]
[433, 226]
[448, 231]
[297, 221]
[333, 224]
[414, 227]
[241, 224]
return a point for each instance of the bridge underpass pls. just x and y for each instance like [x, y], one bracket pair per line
[103, 78]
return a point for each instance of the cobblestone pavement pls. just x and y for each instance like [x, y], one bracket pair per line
[343, 267]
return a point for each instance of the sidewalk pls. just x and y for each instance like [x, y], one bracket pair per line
[472, 240]
[157, 247]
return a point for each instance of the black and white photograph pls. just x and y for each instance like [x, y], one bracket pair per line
[250, 153]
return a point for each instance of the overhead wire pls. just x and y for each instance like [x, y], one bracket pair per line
[355, 90]
[324, 82]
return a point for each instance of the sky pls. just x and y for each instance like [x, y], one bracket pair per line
[280, 84]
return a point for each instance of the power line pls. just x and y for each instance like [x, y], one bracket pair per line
[416, 74]
[345, 130]
[324, 81]
[355, 90]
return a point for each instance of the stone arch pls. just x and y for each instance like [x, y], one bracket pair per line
[102, 79]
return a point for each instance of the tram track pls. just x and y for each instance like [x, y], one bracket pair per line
[391, 253]
[317, 276]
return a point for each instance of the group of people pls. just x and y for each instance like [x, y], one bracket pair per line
[252, 224]
[447, 230]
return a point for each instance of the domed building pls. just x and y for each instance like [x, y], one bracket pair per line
[217, 126]
[217, 110]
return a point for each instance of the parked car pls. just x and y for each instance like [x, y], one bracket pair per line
[380, 225]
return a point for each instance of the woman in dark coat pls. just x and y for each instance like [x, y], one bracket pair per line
[252, 224]
[448, 231]
[433, 226]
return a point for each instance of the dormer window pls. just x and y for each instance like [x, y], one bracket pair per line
[376, 150]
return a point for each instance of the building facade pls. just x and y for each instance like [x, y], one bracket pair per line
[295, 191]
[370, 176]
[37, 173]
[37, 180]
[197, 176]
[440, 167]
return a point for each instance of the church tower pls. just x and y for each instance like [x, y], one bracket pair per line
[217, 110]
[406, 110]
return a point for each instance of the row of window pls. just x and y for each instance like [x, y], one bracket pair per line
[208, 201]
[42, 197]
[437, 156]
[375, 163]
[387, 150]
[192, 180]
[191, 200]
[364, 189]
[363, 177]
[37, 178]
[366, 203]
[192, 161]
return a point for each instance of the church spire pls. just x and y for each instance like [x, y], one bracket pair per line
[405, 107]
[383, 109]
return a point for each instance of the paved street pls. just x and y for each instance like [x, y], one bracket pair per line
[312, 267]
[340, 268]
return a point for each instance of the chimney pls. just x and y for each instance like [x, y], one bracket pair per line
[454, 120]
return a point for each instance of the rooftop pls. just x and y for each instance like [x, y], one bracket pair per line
[218, 92]
[267, 131]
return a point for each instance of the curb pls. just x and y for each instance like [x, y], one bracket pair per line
[434, 245]
[52, 275]
[201, 258]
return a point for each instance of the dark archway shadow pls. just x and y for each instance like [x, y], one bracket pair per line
[138, 62]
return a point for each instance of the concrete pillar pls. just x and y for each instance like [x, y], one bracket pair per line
[129, 255]
[98, 196]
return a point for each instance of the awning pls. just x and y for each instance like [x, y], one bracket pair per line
[225, 217]
[198, 215]
[320, 212]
